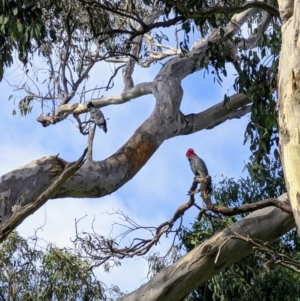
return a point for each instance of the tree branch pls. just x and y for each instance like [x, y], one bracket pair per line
[89, 155]
[195, 268]
[20, 213]
[215, 115]
[227, 211]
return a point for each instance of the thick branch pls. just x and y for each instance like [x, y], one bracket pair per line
[219, 113]
[180, 67]
[20, 213]
[214, 255]
[96, 179]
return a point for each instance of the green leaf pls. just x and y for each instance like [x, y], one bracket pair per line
[249, 94]
[20, 27]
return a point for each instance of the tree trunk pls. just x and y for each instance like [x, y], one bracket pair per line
[214, 255]
[289, 102]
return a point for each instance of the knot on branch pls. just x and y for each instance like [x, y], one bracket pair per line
[205, 188]
[45, 120]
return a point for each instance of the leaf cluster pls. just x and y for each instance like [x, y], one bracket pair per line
[55, 274]
[258, 80]
[21, 26]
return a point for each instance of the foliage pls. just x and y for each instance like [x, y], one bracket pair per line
[258, 80]
[53, 274]
[189, 10]
[21, 28]
[269, 183]
[257, 70]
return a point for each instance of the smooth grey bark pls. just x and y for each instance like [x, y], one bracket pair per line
[20, 212]
[214, 255]
[22, 185]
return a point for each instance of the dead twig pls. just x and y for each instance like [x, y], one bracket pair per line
[91, 136]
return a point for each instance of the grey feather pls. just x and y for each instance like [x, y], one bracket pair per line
[97, 116]
[198, 166]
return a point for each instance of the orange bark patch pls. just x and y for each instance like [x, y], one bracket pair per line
[142, 153]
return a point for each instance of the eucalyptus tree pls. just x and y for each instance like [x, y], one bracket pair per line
[83, 35]
[51, 274]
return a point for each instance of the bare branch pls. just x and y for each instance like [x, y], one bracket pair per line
[101, 249]
[64, 110]
[89, 155]
[82, 126]
[237, 107]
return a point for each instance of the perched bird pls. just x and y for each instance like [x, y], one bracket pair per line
[198, 166]
[97, 116]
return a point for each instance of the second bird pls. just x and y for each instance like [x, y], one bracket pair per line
[97, 116]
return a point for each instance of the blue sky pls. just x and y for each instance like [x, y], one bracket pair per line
[153, 195]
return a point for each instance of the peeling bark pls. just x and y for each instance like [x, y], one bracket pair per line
[20, 212]
[285, 9]
[289, 105]
[22, 185]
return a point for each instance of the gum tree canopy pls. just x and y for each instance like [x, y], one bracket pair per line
[75, 36]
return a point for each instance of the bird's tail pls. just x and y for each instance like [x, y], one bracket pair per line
[209, 188]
